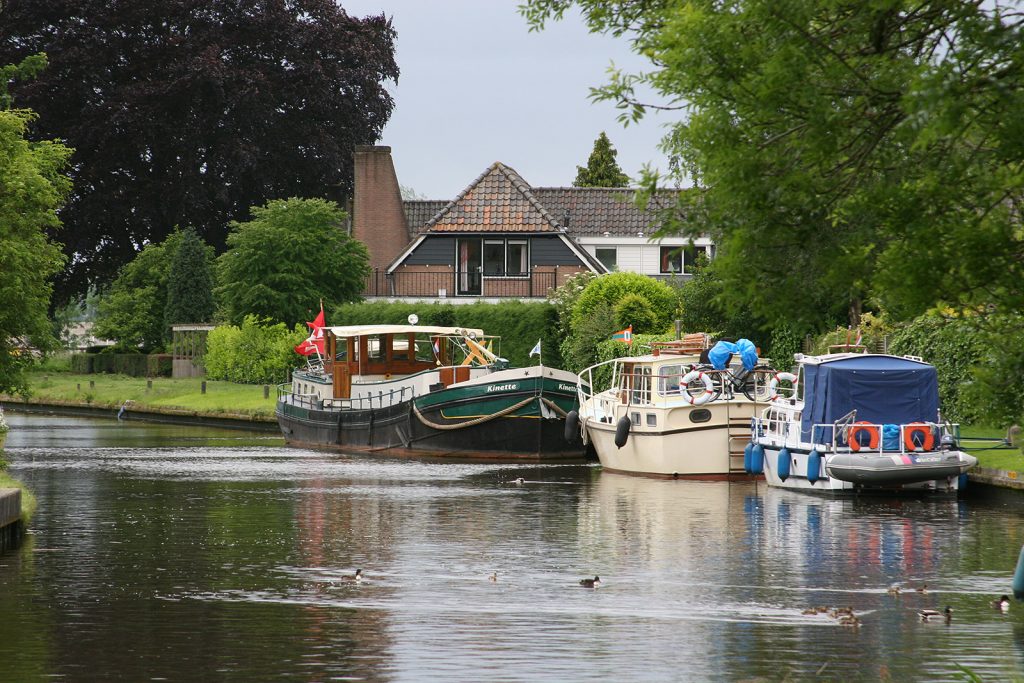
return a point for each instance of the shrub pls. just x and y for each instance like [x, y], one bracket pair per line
[255, 353]
[635, 310]
[612, 288]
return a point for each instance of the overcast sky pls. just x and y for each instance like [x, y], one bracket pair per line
[476, 87]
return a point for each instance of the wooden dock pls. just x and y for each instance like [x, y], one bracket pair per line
[11, 527]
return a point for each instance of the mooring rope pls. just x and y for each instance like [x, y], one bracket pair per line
[473, 422]
[554, 406]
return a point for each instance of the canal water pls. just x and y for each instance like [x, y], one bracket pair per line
[164, 553]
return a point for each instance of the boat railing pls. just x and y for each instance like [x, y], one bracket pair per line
[381, 399]
[668, 389]
[848, 435]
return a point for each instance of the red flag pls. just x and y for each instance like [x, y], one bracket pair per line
[315, 342]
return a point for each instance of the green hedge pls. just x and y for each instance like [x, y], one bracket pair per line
[519, 324]
[131, 364]
[258, 352]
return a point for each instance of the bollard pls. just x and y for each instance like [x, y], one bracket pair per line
[92, 384]
[266, 391]
[1018, 577]
[149, 384]
[78, 387]
[202, 387]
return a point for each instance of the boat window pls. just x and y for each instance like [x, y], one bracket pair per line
[642, 385]
[668, 379]
[652, 420]
[425, 350]
[400, 348]
[635, 419]
[374, 347]
[700, 415]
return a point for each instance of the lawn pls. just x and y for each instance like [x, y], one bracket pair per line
[992, 452]
[111, 391]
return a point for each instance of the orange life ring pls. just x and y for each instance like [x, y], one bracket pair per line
[873, 435]
[918, 428]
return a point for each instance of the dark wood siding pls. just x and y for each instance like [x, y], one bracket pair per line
[551, 251]
[433, 251]
[544, 251]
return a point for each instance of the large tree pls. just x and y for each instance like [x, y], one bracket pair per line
[293, 254]
[846, 152]
[32, 188]
[132, 310]
[602, 170]
[188, 113]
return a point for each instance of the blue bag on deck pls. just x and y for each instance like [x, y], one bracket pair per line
[890, 437]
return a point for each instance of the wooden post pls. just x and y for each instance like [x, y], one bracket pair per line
[92, 384]
[149, 384]
[266, 391]
[202, 387]
[78, 387]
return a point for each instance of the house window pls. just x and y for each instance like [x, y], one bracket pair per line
[671, 260]
[679, 260]
[506, 258]
[518, 257]
[607, 256]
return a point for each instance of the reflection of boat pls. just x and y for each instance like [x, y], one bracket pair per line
[426, 390]
[683, 411]
[859, 421]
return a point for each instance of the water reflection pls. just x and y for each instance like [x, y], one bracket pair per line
[156, 554]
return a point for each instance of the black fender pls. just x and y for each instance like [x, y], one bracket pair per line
[572, 426]
[622, 431]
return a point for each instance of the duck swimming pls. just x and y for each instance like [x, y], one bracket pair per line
[493, 576]
[357, 577]
[935, 615]
[591, 583]
[1002, 604]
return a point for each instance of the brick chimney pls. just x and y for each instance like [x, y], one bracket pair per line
[378, 219]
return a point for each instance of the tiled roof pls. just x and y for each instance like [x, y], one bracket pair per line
[597, 210]
[419, 211]
[499, 200]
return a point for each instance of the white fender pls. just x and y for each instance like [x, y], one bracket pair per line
[709, 387]
[773, 385]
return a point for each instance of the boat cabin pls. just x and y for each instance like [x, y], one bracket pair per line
[370, 360]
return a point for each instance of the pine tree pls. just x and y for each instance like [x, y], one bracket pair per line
[601, 170]
[189, 282]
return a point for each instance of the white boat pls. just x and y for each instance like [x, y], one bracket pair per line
[858, 422]
[673, 413]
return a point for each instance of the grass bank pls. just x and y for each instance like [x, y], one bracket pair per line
[111, 391]
[28, 499]
[993, 452]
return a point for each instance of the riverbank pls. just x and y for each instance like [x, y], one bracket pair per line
[159, 399]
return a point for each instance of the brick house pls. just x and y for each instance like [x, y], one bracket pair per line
[501, 238]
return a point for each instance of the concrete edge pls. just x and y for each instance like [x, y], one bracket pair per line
[1009, 479]
[263, 423]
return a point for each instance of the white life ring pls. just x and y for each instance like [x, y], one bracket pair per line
[773, 385]
[709, 387]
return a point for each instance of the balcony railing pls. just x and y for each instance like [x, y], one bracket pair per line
[440, 283]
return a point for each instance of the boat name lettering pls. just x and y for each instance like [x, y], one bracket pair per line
[502, 387]
[567, 387]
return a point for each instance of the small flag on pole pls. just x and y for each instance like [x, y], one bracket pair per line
[437, 347]
[625, 336]
[536, 350]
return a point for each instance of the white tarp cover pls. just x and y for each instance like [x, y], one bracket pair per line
[364, 330]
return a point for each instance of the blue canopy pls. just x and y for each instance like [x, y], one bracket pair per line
[883, 390]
